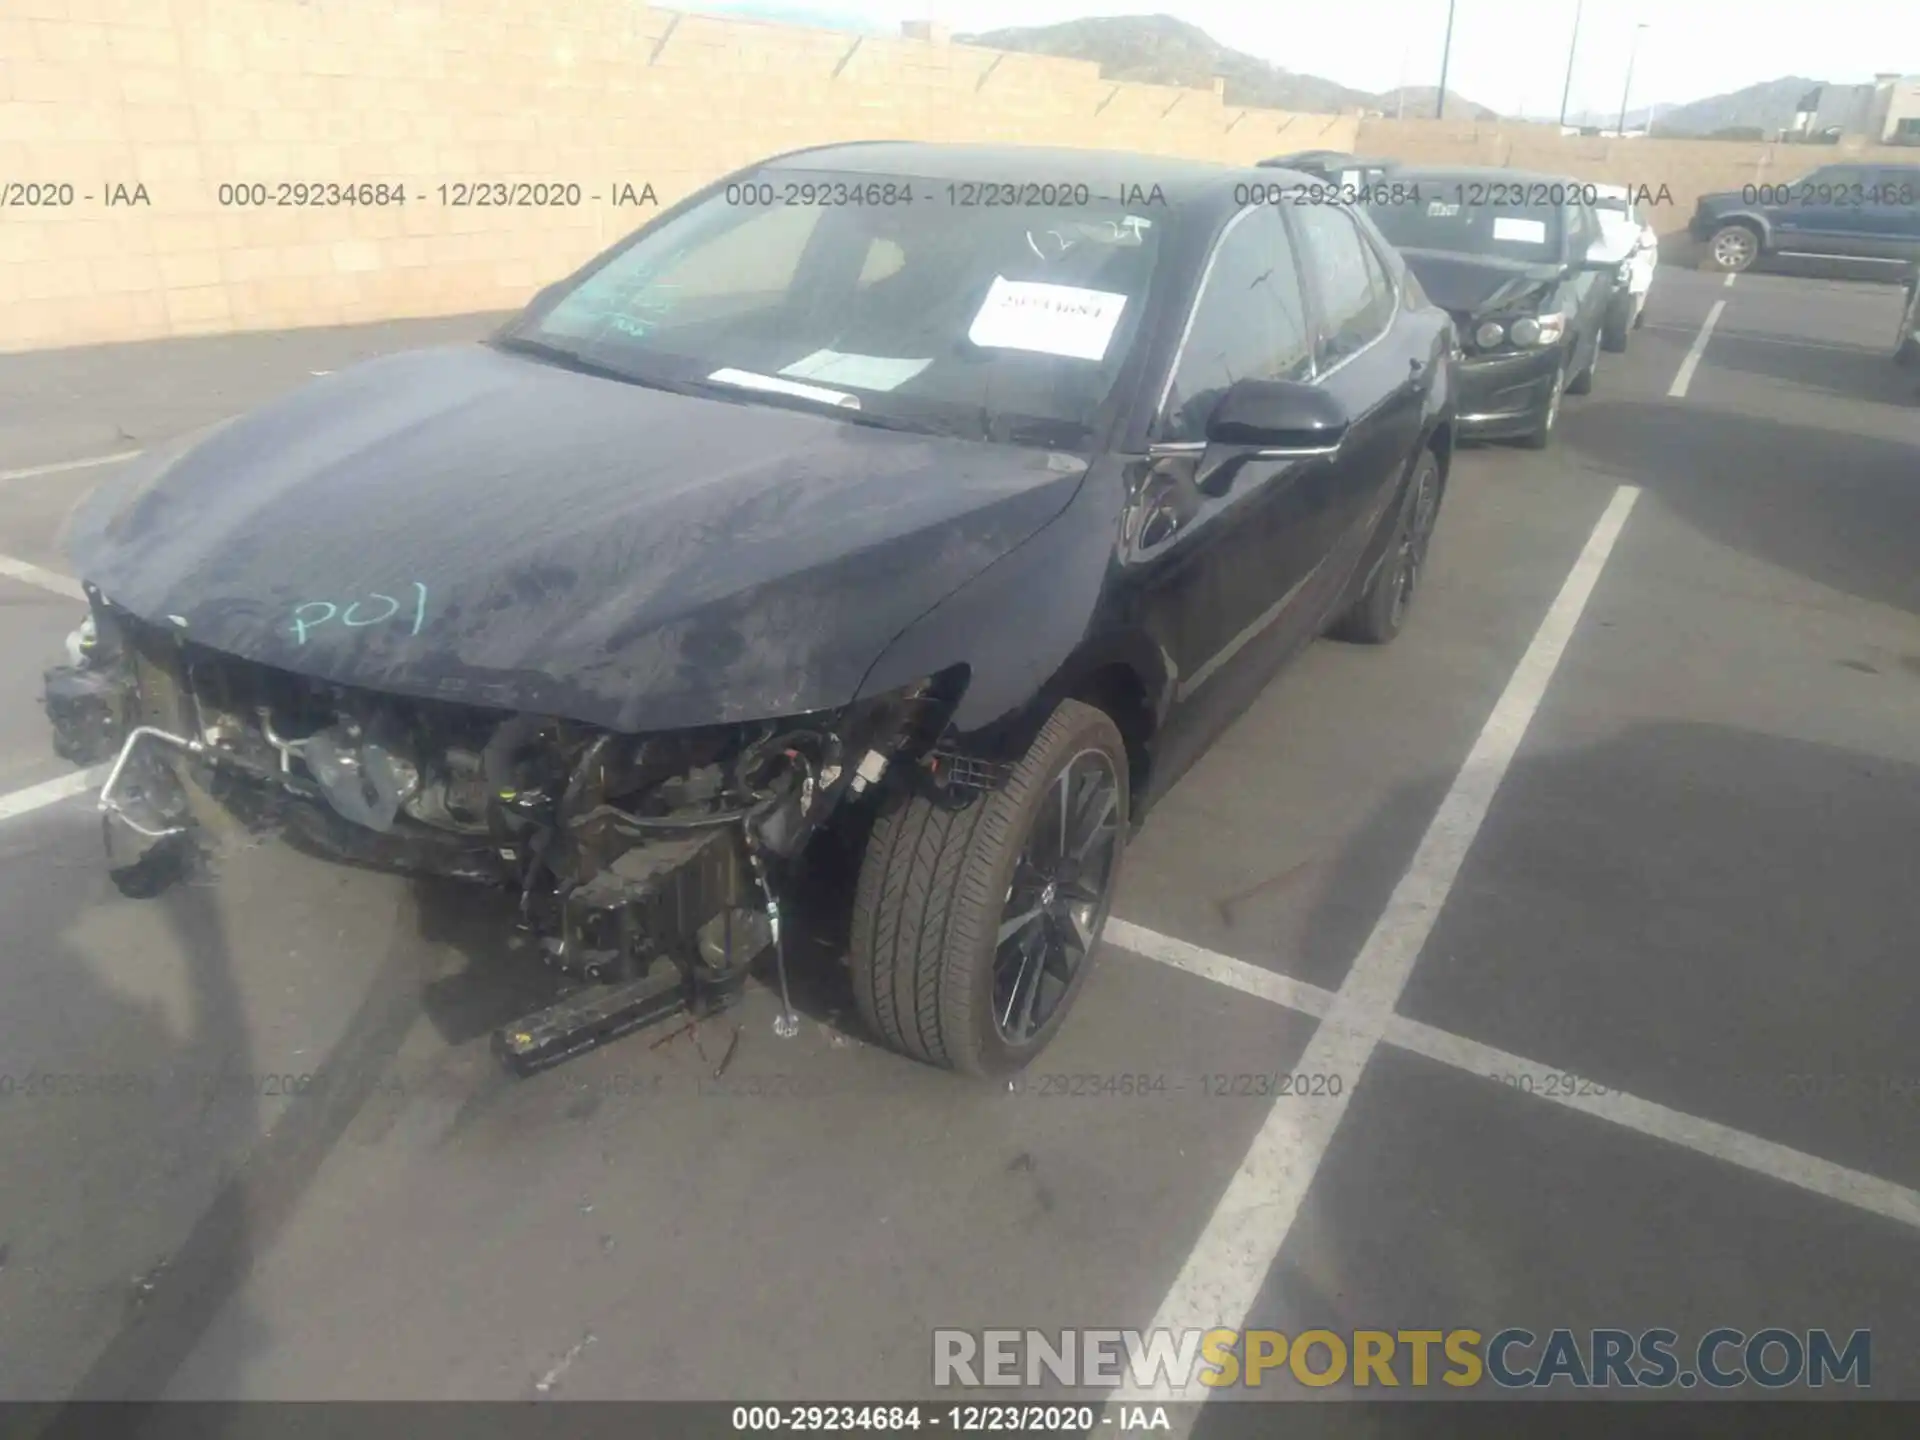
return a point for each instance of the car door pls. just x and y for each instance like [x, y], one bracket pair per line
[1375, 372]
[1831, 212]
[1893, 203]
[1592, 289]
[1221, 561]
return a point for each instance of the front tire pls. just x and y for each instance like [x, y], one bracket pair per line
[974, 928]
[1621, 319]
[1541, 436]
[1733, 248]
[1582, 384]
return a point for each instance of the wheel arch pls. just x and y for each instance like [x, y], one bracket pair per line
[1746, 219]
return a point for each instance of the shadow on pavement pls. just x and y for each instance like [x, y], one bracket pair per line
[1713, 919]
[115, 1126]
[1836, 507]
[1846, 374]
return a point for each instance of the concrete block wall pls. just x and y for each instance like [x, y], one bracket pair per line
[121, 121]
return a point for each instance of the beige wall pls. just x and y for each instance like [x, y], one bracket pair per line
[1687, 169]
[183, 95]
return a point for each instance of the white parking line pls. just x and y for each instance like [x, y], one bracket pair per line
[1546, 1082]
[1749, 1152]
[62, 465]
[1678, 389]
[1221, 969]
[51, 792]
[1222, 1276]
[28, 573]
[1732, 275]
[1760, 339]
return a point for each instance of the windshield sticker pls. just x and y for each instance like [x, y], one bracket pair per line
[774, 385]
[1513, 227]
[1440, 210]
[1048, 319]
[862, 372]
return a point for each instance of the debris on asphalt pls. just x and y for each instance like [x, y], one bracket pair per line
[673, 1034]
[547, 1381]
[727, 1059]
[147, 1283]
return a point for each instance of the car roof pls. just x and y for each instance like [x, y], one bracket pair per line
[1180, 180]
[1490, 173]
[1331, 159]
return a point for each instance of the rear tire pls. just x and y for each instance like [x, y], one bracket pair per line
[1382, 609]
[937, 972]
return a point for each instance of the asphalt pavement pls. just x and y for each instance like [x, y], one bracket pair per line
[1595, 893]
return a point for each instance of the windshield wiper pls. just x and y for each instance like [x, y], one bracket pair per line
[573, 360]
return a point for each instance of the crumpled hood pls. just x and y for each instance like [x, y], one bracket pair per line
[1468, 286]
[465, 524]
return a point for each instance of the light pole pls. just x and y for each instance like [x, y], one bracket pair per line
[1446, 54]
[1572, 46]
[1627, 89]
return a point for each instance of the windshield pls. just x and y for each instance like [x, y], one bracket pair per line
[1468, 219]
[912, 303]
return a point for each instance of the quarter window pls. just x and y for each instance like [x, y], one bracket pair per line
[1249, 323]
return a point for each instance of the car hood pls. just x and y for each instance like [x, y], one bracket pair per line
[1472, 285]
[470, 525]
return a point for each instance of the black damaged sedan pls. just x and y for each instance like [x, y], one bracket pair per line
[946, 501]
[1520, 262]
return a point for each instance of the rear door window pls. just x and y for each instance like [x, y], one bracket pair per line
[1356, 294]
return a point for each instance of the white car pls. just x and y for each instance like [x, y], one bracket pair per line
[1629, 234]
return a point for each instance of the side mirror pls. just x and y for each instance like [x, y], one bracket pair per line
[1278, 416]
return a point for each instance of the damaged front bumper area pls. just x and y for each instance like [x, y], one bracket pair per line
[645, 867]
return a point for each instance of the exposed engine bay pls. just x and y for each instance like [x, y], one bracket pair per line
[645, 867]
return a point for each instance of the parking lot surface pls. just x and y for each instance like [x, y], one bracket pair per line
[1596, 891]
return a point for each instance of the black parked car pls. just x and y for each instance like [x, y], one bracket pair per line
[1848, 211]
[948, 500]
[1519, 262]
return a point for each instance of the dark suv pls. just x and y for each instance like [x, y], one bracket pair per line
[1843, 211]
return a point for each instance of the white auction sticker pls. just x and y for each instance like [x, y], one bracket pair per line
[1051, 319]
[863, 372]
[1513, 227]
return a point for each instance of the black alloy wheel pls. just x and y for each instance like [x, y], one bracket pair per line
[975, 925]
[1382, 609]
[1058, 897]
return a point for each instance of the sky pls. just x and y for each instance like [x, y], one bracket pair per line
[1507, 54]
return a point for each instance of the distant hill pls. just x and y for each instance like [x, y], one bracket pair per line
[1160, 50]
[1768, 106]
